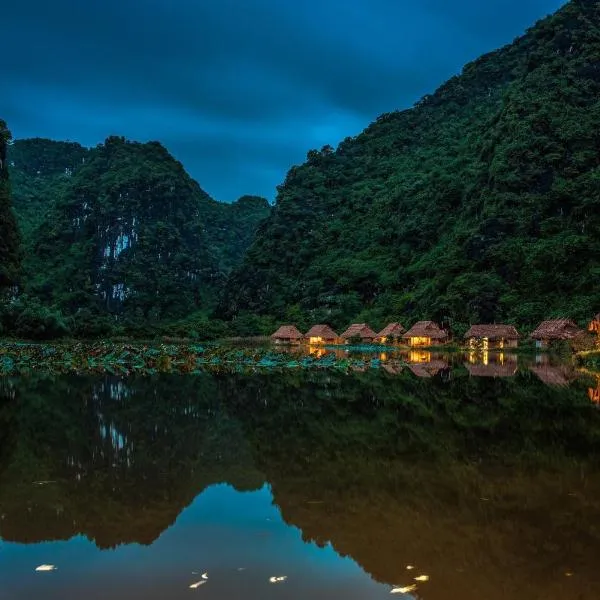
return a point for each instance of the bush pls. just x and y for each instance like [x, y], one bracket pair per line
[27, 318]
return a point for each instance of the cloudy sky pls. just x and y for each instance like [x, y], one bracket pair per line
[237, 90]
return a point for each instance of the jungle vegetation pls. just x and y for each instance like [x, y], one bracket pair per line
[479, 204]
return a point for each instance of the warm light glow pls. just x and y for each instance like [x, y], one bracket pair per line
[486, 344]
[472, 343]
[317, 351]
[472, 358]
[594, 327]
[383, 340]
[501, 343]
[486, 357]
[420, 341]
[315, 340]
[417, 356]
[501, 358]
[383, 356]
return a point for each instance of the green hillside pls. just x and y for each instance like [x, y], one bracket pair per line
[118, 235]
[478, 204]
[9, 234]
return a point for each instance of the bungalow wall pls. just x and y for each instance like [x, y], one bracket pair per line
[495, 344]
[419, 341]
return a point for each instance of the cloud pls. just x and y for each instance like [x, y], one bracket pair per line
[237, 90]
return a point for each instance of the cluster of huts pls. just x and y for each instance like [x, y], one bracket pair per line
[428, 333]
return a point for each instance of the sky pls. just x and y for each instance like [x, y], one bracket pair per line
[238, 91]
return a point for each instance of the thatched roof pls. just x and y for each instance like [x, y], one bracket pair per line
[556, 329]
[391, 329]
[426, 329]
[322, 331]
[287, 332]
[493, 332]
[492, 369]
[361, 330]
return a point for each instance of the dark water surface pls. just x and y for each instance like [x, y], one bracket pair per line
[485, 480]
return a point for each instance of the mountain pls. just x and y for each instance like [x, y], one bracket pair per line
[122, 230]
[9, 234]
[479, 204]
[39, 170]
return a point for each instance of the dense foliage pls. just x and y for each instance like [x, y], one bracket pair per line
[9, 234]
[479, 204]
[119, 238]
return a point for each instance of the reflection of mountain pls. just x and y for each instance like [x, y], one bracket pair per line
[477, 535]
[482, 483]
[119, 461]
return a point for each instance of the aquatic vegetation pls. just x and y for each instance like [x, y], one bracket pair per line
[129, 358]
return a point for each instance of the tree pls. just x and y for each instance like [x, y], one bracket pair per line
[9, 233]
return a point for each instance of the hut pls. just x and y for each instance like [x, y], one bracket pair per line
[321, 334]
[425, 333]
[594, 325]
[287, 334]
[492, 336]
[358, 330]
[553, 330]
[394, 330]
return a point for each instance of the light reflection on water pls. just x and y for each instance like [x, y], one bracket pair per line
[487, 483]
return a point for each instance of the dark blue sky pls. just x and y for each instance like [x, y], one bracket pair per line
[237, 90]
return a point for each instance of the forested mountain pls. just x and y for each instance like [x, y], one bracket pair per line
[480, 203]
[39, 170]
[9, 235]
[121, 230]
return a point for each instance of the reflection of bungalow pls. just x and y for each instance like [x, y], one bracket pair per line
[392, 367]
[321, 334]
[554, 376]
[429, 369]
[594, 325]
[594, 394]
[358, 331]
[287, 334]
[394, 330]
[425, 333]
[554, 330]
[493, 369]
[492, 336]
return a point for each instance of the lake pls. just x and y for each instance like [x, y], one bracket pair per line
[452, 478]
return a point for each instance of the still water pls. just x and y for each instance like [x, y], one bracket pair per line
[483, 483]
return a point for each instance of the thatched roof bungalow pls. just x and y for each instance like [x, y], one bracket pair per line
[425, 333]
[492, 336]
[321, 334]
[287, 334]
[391, 330]
[358, 330]
[555, 329]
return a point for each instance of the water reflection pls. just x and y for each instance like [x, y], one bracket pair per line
[489, 486]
